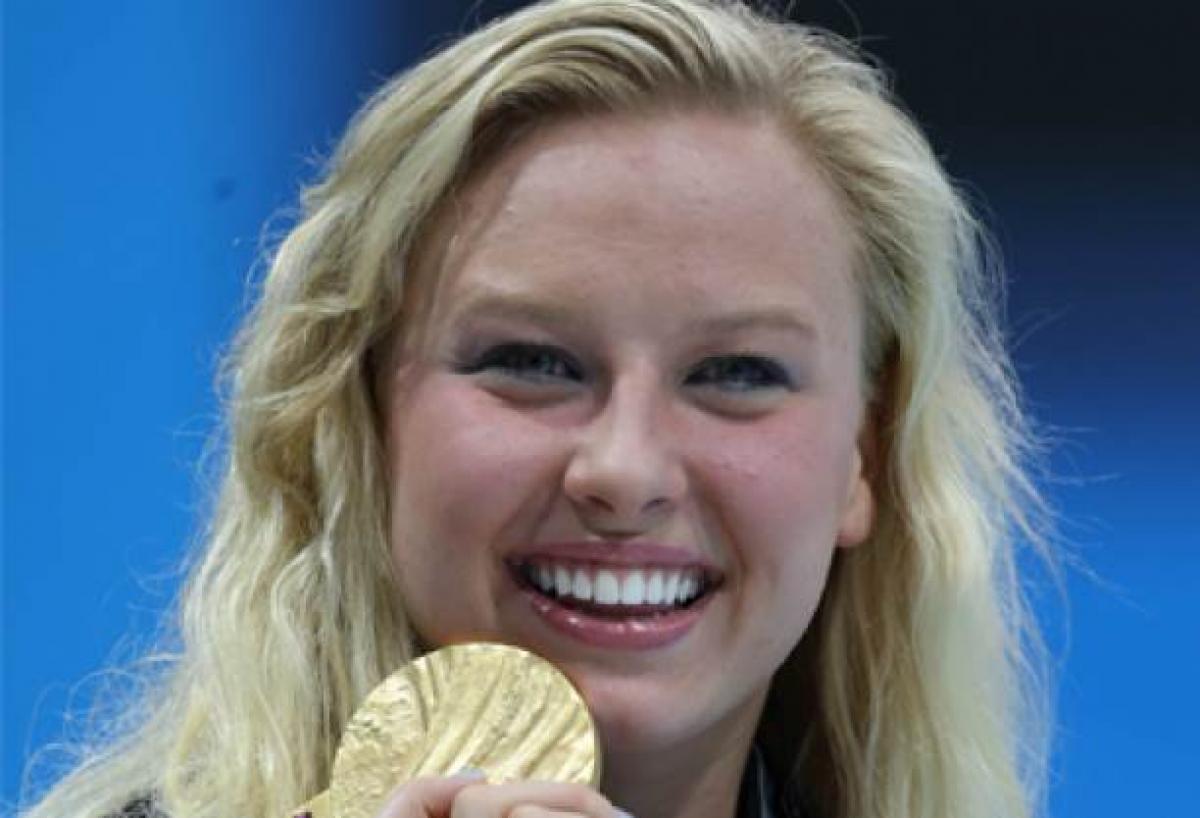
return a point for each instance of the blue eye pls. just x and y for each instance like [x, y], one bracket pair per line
[531, 362]
[740, 373]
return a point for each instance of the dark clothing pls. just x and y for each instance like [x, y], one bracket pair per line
[756, 798]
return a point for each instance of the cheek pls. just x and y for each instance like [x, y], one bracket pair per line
[779, 487]
[779, 495]
[462, 475]
[460, 468]
[783, 479]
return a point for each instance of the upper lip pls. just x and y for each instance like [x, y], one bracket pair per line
[640, 553]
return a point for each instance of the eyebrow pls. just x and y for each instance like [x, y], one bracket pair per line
[768, 317]
[520, 307]
[502, 305]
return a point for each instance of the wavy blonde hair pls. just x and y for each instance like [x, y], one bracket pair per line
[913, 693]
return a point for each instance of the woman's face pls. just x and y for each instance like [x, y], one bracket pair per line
[625, 433]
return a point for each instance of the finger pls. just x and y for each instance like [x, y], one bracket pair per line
[534, 811]
[427, 797]
[499, 800]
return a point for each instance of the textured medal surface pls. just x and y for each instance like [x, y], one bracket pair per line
[496, 708]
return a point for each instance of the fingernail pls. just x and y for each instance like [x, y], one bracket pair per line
[471, 773]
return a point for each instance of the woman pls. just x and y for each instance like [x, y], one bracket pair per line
[650, 336]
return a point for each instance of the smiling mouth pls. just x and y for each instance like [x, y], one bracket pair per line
[615, 592]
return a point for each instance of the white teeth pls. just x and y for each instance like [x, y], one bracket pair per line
[626, 586]
[633, 588]
[687, 589]
[654, 588]
[562, 580]
[671, 588]
[607, 589]
[581, 588]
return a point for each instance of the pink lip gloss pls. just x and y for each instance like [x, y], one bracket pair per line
[630, 632]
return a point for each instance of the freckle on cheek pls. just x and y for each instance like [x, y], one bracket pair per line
[739, 468]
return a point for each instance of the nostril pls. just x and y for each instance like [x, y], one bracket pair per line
[598, 501]
[602, 504]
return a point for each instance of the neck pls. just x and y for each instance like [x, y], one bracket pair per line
[701, 780]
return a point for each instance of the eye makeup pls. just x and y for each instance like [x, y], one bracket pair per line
[741, 372]
[524, 360]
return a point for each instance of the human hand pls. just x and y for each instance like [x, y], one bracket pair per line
[468, 795]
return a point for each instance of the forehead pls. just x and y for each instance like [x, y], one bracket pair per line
[701, 209]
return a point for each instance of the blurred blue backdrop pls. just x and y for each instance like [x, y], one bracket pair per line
[147, 144]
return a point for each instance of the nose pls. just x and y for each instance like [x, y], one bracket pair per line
[625, 474]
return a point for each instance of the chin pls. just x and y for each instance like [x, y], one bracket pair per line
[636, 715]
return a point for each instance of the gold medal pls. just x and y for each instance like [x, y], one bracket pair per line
[495, 708]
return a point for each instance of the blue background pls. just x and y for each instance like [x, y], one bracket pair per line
[146, 144]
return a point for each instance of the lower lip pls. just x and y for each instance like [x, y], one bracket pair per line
[630, 633]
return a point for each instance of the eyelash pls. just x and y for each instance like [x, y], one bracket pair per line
[530, 361]
[519, 360]
[768, 374]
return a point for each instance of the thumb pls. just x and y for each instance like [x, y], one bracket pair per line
[428, 797]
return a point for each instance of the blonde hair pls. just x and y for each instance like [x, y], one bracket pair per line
[913, 693]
